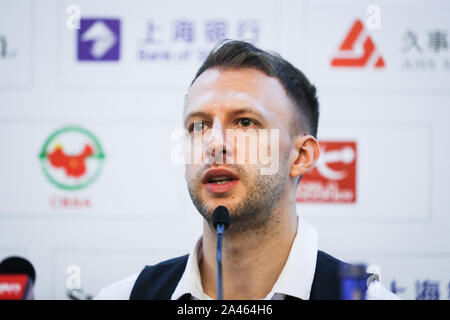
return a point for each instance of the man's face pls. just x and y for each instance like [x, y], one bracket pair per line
[247, 100]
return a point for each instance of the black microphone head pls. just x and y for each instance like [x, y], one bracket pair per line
[18, 265]
[221, 215]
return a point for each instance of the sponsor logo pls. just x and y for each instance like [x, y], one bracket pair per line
[425, 50]
[333, 180]
[357, 50]
[99, 40]
[71, 158]
[184, 40]
[10, 288]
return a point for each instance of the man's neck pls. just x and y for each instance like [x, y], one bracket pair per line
[251, 261]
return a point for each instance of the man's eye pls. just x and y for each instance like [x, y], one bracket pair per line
[198, 126]
[245, 122]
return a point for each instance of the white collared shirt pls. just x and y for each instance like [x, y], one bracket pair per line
[295, 279]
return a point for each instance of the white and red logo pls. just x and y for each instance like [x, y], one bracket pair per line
[357, 50]
[333, 180]
[12, 287]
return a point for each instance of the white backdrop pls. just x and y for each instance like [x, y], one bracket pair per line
[130, 207]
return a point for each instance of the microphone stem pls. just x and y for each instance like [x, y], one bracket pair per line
[219, 288]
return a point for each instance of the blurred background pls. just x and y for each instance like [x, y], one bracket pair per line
[91, 94]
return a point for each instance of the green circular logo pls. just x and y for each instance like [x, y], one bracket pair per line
[72, 158]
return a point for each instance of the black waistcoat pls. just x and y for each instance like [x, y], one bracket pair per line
[158, 282]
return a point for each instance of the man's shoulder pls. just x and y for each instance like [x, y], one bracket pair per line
[375, 291]
[323, 257]
[121, 290]
[170, 262]
[159, 281]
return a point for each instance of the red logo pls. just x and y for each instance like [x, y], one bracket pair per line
[12, 287]
[348, 55]
[73, 165]
[333, 180]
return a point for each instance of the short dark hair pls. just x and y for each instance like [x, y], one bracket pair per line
[234, 54]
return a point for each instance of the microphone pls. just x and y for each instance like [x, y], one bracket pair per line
[17, 277]
[221, 221]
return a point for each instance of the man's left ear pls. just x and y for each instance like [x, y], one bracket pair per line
[307, 153]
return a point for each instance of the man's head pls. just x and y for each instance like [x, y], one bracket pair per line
[241, 87]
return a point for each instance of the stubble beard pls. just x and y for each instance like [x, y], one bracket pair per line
[256, 209]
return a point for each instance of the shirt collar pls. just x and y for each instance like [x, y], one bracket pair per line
[295, 279]
[190, 282]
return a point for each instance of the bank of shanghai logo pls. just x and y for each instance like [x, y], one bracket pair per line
[357, 50]
[98, 40]
[72, 158]
[333, 180]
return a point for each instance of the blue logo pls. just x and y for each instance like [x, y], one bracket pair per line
[99, 40]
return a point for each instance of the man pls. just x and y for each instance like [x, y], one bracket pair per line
[268, 251]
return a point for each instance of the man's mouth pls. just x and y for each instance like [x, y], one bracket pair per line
[219, 180]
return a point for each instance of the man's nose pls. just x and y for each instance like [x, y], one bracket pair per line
[217, 148]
